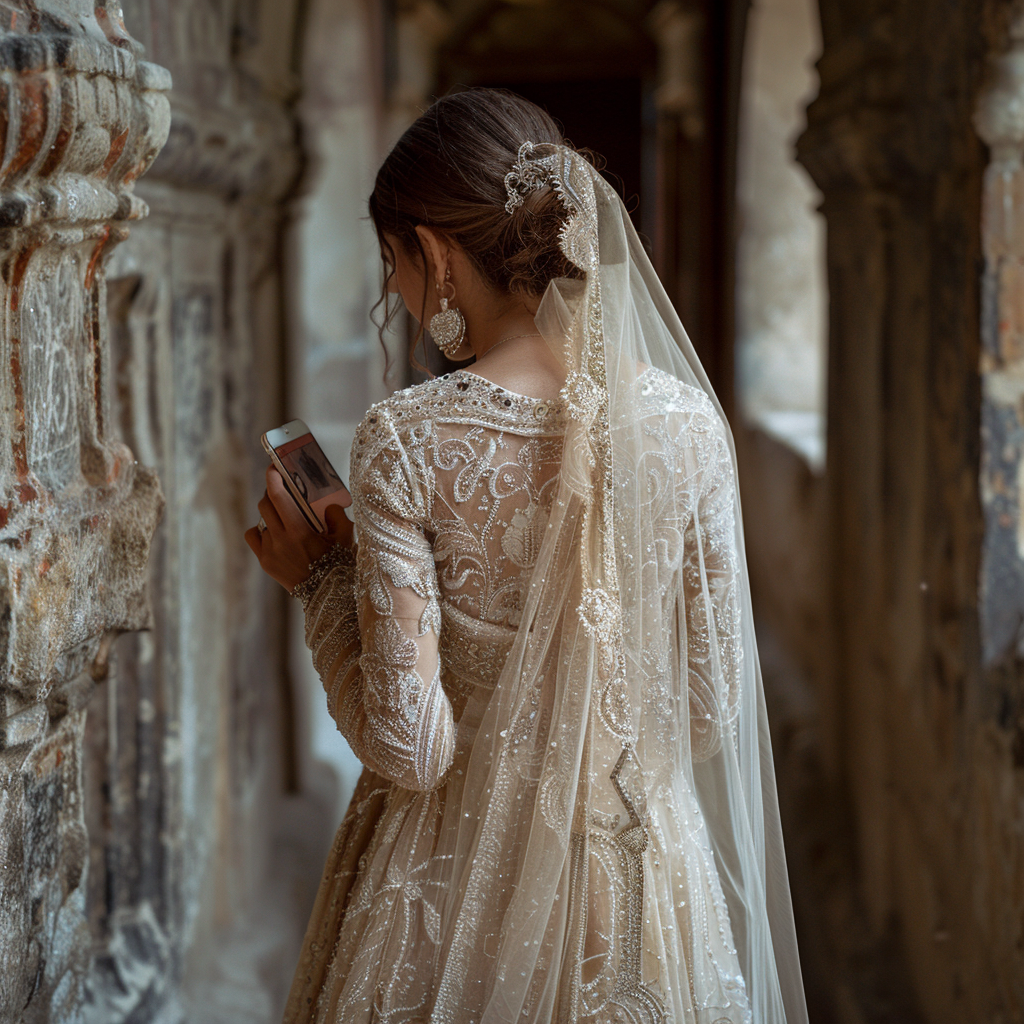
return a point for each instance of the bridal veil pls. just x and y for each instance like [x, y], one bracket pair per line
[616, 851]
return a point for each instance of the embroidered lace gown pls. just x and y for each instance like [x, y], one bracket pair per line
[451, 483]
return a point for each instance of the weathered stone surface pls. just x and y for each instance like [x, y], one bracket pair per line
[1000, 122]
[911, 895]
[192, 739]
[144, 778]
[82, 116]
[45, 847]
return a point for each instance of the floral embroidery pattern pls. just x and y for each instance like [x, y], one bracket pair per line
[453, 483]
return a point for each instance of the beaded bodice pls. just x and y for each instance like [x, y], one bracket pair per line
[453, 483]
[474, 466]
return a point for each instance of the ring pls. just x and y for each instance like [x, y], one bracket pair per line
[261, 526]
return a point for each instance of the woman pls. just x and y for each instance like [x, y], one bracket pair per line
[542, 647]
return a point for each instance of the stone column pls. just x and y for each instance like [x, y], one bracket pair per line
[191, 781]
[872, 174]
[996, 800]
[925, 736]
[1000, 123]
[418, 31]
[349, 124]
[82, 116]
[699, 45]
[676, 227]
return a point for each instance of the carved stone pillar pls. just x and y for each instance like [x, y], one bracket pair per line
[699, 59]
[677, 29]
[928, 752]
[997, 748]
[82, 116]
[848, 160]
[1000, 123]
[192, 773]
[418, 30]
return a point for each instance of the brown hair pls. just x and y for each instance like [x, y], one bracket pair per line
[448, 172]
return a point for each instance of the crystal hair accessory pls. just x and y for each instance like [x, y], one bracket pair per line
[574, 180]
[526, 176]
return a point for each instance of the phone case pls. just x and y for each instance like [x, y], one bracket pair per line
[307, 513]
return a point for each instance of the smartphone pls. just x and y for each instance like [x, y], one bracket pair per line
[308, 474]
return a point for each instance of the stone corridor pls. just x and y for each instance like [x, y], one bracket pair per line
[185, 262]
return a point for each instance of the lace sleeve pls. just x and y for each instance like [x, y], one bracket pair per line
[373, 628]
[710, 581]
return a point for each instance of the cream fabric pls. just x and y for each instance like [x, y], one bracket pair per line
[545, 658]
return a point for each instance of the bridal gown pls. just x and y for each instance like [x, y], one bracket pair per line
[452, 484]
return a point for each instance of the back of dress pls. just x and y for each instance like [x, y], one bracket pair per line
[453, 483]
[492, 458]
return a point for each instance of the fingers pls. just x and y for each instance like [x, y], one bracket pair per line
[288, 512]
[269, 512]
[254, 540]
[332, 518]
[339, 526]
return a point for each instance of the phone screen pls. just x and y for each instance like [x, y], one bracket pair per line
[311, 472]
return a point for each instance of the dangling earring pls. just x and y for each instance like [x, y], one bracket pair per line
[448, 328]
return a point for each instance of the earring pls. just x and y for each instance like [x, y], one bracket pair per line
[448, 328]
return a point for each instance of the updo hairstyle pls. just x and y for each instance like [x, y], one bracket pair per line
[448, 172]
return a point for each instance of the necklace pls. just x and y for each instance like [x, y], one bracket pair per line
[512, 337]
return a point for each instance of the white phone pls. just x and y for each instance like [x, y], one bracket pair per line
[308, 474]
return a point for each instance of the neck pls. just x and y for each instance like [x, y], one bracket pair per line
[483, 333]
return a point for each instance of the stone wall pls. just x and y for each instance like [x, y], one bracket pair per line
[83, 117]
[202, 895]
[150, 866]
[908, 730]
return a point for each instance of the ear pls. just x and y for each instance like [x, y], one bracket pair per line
[438, 251]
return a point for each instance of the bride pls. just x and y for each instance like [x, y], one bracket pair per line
[541, 647]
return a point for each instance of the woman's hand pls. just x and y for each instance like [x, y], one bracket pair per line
[289, 545]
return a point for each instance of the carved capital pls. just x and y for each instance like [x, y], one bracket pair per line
[862, 130]
[999, 118]
[82, 117]
[253, 157]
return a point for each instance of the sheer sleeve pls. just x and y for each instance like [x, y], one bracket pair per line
[710, 578]
[373, 627]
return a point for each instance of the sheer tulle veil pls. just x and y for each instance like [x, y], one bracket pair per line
[615, 845]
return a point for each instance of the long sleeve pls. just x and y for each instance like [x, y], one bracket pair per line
[711, 590]
[373, 627]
